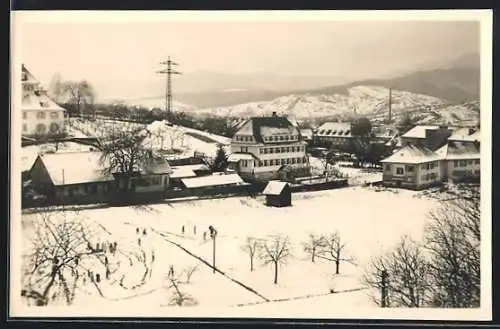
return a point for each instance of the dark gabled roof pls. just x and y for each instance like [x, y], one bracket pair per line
[272, 122]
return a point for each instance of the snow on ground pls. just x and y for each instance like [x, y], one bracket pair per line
[367, 230]
[367, 100]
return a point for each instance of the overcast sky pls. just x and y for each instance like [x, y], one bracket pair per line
[130, 52]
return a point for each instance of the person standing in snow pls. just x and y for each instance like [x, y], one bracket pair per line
[194, 230]
[144, 232]
[205, 236]
[182, 229]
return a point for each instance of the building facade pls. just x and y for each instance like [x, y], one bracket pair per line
[412, 167]
[41, 116]
[265, 148]
[334, 134]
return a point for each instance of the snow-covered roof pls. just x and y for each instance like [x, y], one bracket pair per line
[459, 151]
[466, 135]
[75, 168]
[274, 187]
[308, 133]
[213, 180]
[235, 157]
[412, 154]
[334, 129]
[419, 131]
[187, 170]
[28, 77]
[260, 126]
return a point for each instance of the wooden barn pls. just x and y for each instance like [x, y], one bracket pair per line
[278, 194]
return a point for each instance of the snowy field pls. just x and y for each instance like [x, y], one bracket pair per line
[366, 220]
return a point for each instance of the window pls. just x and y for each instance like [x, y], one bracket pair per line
[399, 171]
[455, 163]
[469, 162]
[244, 149]
[40, 115]
[287, 161]
[283, 149]
[265, 163]
[271, 162]
[265, 150]
[277, 150]
[54, 115]
[288, 149]
[387, 167]
[476, 161]
[282, 138]
[261, 150]
[278, 162]
[293, 160]
[261, 163]
[477, 172]
[287, 137]
[256, 163]
[41, 128]
[25, 115]
[463, 163]
[271, 150]
[25, 127]
[410, 169]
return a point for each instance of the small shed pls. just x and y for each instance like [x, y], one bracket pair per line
[278, 194]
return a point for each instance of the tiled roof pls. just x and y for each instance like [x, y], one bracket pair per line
[412, 154]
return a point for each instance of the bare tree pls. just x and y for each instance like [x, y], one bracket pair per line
[453, 239]
[55, 265]
[251, 246]
[275, 251]
[333, 249]
[125, 153]
[174, 134]
[178, 297]
[402, 276]
[313, 245]
[189, 272]
[79, 93]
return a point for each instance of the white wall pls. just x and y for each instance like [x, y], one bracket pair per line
[29, 124]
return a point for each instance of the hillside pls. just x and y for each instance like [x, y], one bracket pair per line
[362, 100]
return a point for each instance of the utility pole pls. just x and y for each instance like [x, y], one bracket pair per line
[169, 71]
[390, 105]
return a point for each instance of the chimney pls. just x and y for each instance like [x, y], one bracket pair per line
[390, 105]
[274, 114]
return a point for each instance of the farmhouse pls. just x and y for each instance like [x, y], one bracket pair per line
[264, 147]
[41, 115]
[82, 175]
[413, 167]
[278, 194]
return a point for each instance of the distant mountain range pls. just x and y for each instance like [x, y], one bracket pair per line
[433, 86]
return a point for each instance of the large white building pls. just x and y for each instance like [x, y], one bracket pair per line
[266, 148]
[41, 116]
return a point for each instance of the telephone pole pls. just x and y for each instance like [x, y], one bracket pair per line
[390, 105]
[169, 71]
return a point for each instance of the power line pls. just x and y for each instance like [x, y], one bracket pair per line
[169, 71]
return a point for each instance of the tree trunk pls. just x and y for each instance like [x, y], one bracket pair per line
[275, 273]
[313, 254]
[251, 263]
[337, 265]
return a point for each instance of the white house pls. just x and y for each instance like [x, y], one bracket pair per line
[412, 166]
[461, 161]
[265, 148]
[41, 116]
